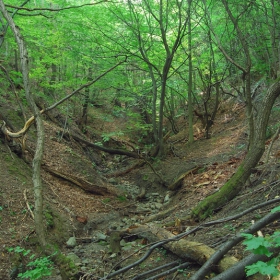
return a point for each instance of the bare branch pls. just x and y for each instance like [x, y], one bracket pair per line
[208, 265]
[55, 9]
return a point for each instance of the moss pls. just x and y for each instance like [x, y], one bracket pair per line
[217, 200]
[49, 218]
[68, 270]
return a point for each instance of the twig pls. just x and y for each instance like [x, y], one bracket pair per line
[9, 150]
[156, 173]
[27, 204]
[169, 271]
[275, 136]
[165, 272]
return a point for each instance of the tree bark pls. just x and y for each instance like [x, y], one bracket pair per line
[215, 258]
[37, 182]
[190, 85]
[234, 185]
[183, 248]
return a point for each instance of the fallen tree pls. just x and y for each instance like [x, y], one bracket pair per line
[235, 184]
[99, 188]
[198, 252]
[237, 271]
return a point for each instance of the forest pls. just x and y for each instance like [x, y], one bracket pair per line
[139, 139]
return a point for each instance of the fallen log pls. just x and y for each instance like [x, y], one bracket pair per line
[82, 183]
[183, 248]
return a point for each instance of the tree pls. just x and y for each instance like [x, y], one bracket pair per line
[190, 86]
[37, 182]
[257, 124]
[233, 186]
[158, 28]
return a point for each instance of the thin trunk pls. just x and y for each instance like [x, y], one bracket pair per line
[86, 101]
[246, 75]
[234, 185]
[190, 86]
[37, 183]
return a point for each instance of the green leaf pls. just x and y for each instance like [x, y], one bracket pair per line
[276, 209]
[262, 268]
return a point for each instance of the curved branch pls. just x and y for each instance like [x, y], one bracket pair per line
[31, 119]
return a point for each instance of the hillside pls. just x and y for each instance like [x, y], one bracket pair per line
[91, 216]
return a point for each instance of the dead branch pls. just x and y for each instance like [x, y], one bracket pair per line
[237, 271]
[218, 255]
[30, 121]
[183, 248]
[164, 273]
[156, 244]
[27, 204]
[104, 149]
[54, 9]
[80, 182]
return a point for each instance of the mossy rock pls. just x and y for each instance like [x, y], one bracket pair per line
[68, 270]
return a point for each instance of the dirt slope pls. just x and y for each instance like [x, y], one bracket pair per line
[68, 206]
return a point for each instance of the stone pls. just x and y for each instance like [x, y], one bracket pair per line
[71, 243]
[76, 260]
[158, 205]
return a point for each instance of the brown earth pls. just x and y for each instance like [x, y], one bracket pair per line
[69, 206]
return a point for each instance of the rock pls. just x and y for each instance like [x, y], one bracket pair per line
[85, 261]
[76, 260]
[122, 243]
[113, 181]
[113, 256]
[141, 209]
[154, 194]
[100, 236]
[166, 198]
[71, 243]
[158, 205]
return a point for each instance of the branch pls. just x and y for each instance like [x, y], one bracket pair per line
[27, 204]
[53, 9]
[157, 244]
[215, 258]
[83, 86]
[237, 271]
[107, 150]
[30, 121]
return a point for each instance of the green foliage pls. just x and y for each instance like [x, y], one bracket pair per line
[37, 268]
[268, 268]
[49, 218]
[260, 246]
[107, 136]
[122, 198]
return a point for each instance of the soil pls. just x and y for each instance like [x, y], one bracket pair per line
[71, 211]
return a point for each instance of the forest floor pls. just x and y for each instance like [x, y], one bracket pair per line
[70, 211]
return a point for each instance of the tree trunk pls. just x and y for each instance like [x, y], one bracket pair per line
[83, 121]
[183, 248]
[190, 102]
[37, 183]
[234, 185]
